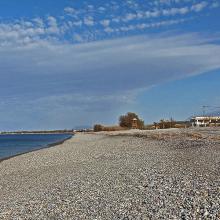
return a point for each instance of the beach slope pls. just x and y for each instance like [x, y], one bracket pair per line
[172, 174]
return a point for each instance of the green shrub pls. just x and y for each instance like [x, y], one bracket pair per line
[98, 128]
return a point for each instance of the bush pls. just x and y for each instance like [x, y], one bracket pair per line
[164, 124]
[113, 128]
[98, 128]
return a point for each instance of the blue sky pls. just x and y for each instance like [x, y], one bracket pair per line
[69, 63]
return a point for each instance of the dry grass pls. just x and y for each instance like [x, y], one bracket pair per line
[217, 138]
[194, 135]
[113, 128]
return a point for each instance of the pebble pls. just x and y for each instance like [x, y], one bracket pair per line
[117, 176]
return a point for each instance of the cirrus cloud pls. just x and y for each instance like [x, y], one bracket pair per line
[111, 66]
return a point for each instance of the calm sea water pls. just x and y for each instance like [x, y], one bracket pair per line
[11, 145]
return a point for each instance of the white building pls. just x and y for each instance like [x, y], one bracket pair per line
[205, 121]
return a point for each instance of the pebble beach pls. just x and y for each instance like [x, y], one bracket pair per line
[161, 174]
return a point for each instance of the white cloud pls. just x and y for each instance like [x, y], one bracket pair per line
[90, 7]
[176, 11]
[199, 7]
[39, 22]
[170, 2]
[102, 9]
[69, 10]
[19, 33]
[77, 23]
[52, 21]
[215, 5]
[183, 10]
[109, 30]
[89, 21]
[143, 26]
[117, 20]
[152, 14]
[129, 17]
[79, 19]
[171, 11]
[105, 22]
[53, 26]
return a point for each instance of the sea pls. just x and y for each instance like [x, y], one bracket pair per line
[15, 144]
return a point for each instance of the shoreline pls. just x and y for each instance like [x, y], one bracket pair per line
[43, 147]
[43, 133]
[160, 134]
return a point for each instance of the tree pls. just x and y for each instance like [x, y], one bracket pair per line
[172, 122]
[163, 124]
[98, 128]
[126, 120]
[155, 125]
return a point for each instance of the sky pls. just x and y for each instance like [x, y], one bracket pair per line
[76, 63]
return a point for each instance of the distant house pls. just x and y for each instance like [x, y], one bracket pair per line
[205, 121]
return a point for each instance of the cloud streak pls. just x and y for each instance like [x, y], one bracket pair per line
[110, 66]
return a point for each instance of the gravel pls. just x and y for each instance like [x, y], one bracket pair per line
[166, 174]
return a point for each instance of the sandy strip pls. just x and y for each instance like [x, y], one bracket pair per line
[126, 175]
